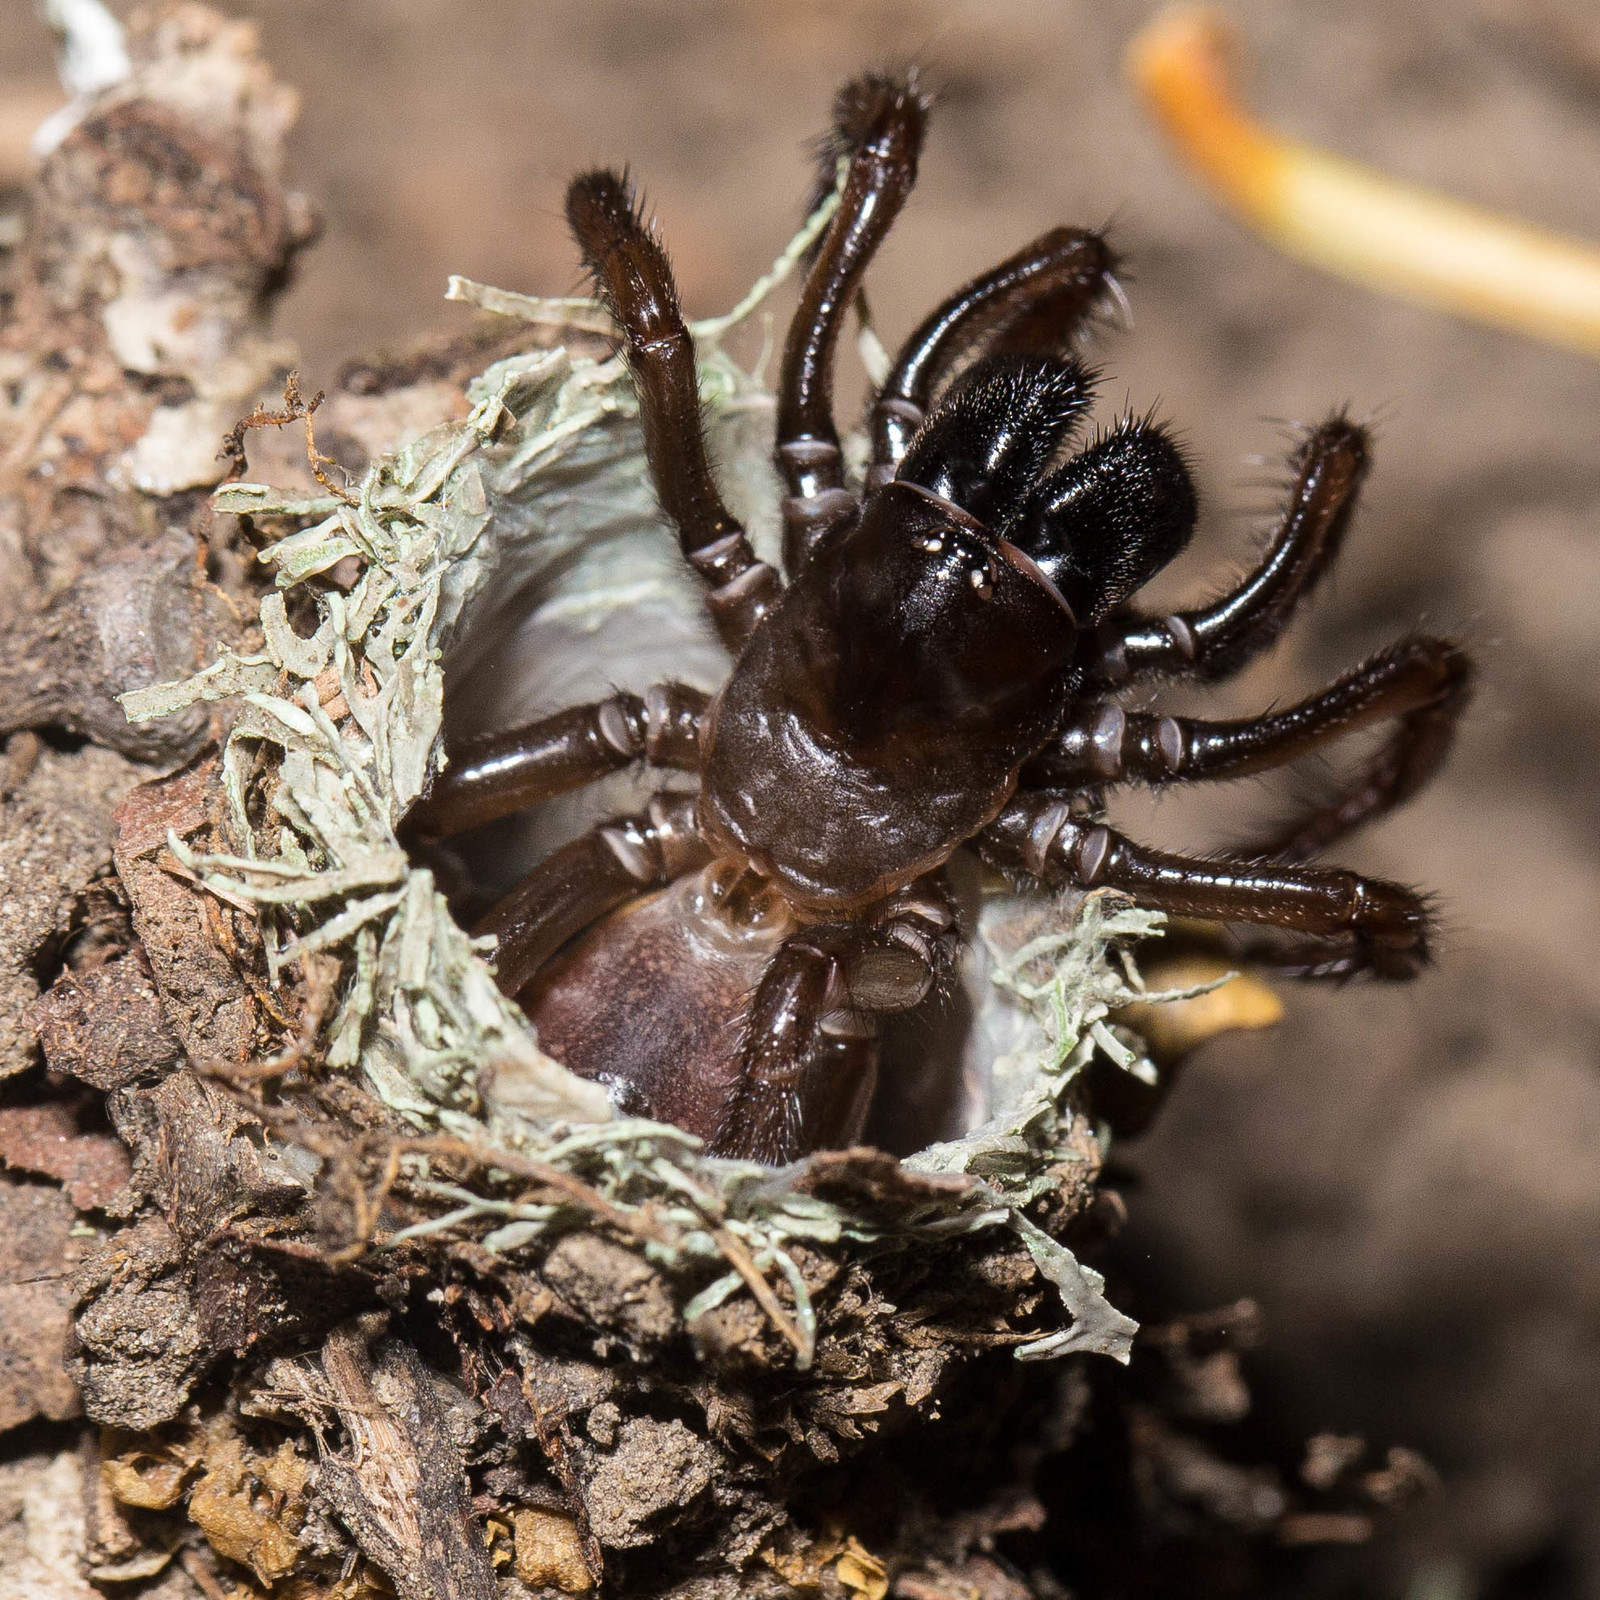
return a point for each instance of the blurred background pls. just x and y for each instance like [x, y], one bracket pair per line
[1407, 1181]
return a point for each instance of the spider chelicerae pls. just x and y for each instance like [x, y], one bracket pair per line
[940, 670]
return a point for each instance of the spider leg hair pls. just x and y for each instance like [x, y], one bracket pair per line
[879, 123]
[1038, 300]
[633, 277]
[997, 430]
[1355, 926]
[1216, 640]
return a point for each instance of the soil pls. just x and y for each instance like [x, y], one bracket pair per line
[1403, 1180]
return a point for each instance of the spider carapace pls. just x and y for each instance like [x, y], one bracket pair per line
[940, 671]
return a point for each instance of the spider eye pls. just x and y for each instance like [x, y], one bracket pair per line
[937, 630]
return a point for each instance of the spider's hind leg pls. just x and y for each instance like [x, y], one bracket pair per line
[808, 1060]
[579, 883]
[502, 773]
[1423, 684]
[634, 278]
[1426, 684]
[1356, 926]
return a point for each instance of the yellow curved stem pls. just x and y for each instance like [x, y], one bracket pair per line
[1350, 219]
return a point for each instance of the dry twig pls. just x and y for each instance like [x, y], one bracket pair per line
[295, 409]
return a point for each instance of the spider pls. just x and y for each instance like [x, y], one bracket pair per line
[940, 670]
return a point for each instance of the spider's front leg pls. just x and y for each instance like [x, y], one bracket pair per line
[808, 1061]
[1423, 683]
[1037, 300]
[502, 773]
[579, 883]
[1216, 640]
[632, 275]
[1361, 926]
[879, 122]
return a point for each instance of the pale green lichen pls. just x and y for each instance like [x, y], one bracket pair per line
[547, 468]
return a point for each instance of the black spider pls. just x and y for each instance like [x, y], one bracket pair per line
[938, 672]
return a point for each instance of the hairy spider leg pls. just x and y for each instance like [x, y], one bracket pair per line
[1400, 768]
[1422, 683]
[1039, 299]
[579, 883]
[1362, 926]
[1214, 641]
[633, 277]
[993, 434]
[808, 1063]
[783, 1048]
[500, 774]
[879, 123]
[1107, 520]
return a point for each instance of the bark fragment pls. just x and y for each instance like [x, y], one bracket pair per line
[656, 1471]
[184, 930]
[46, 1139]
[56, 831]
[104, 1025]
[612, 1288]
[135, 1349]
[141, 615]
[37, 1256]
[226, 1192]
[401, 1488]
[136, 333]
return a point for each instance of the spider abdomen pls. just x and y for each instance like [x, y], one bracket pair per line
[652, 1001]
